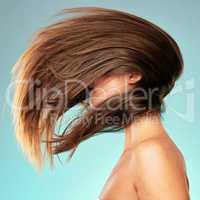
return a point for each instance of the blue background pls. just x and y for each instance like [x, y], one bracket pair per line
[84, 176]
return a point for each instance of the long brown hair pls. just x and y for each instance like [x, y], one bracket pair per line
[77, 50]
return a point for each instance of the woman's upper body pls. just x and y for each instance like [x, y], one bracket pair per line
[130, 65]
[152, 168]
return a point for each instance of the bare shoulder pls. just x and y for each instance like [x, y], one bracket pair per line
[158, 161]
[158, 149]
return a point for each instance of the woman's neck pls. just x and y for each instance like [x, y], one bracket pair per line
[142, 129]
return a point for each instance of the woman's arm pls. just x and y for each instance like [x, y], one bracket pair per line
[160, 172]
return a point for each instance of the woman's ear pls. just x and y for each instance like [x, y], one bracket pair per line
[134, 77]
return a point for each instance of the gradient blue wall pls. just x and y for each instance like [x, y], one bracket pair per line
[85, 175]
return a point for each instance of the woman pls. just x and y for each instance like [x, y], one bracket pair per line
[120, 67]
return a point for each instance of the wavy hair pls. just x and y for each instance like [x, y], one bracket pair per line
[62, 61]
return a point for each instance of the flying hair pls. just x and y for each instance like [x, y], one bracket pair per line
[62, 61]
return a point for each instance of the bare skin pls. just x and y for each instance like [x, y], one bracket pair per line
[151, 167]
